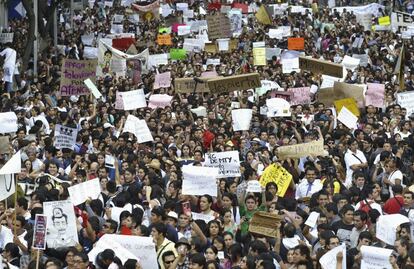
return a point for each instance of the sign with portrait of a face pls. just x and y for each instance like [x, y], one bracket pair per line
[61, 228]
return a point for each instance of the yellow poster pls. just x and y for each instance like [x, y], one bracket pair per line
[349, 103]
[262, 16]
[279, 175]
[384, 20]
[259, 56]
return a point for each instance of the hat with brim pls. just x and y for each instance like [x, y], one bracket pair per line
[183, 241]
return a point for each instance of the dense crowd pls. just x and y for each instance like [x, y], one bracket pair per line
[366, 173]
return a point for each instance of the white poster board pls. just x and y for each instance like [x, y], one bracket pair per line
[8, 122]
[241, 119]
[227, 162]
[139, 128]
[386, 227]
[375, 258]
[198, 180]
[65, 137]
[90, 189]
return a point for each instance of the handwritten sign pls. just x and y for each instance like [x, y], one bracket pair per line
[279, 175]
[162, 80]
[164, 39]
[218, 26]
[296, 43]
[130, 100]
[159, 100]
[234, 83]
[314, 148]
[227, 162]
[375, 95]
[300, 95]
[79, 193]
[198, 180]
[65, 137]
[188, 85]
[320, 67]
[328, 260]
[375, 258]
[91, 86]
[265, 223]
[254, 186]
[406, 100]
[74, 72]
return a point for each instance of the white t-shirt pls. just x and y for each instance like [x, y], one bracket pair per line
[9, 63]
[392, 177]
[350, 160]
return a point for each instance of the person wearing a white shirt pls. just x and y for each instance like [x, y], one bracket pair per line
[354, 160]
[9, 65]
[309, 185]
[395, 177]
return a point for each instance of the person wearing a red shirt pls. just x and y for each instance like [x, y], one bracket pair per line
[394, 204]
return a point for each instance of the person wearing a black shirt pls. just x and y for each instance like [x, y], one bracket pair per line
[343, 228]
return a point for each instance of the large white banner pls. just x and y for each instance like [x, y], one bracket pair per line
[241, 119]
[198, 180]
[61, 219]
[227, 162]
[375, 258]
[65, 137]
[8, 122]
[90, 189]
[139, 128]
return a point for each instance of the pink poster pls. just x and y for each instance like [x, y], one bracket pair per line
[375, 94]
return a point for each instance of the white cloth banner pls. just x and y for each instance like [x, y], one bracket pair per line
[8, 122]
[198, 180]
[227, 162]
[65, 137]
[61, 228]
[241, 119]
[139, 128]
[387, 227]
[375, 258]
[90, 189]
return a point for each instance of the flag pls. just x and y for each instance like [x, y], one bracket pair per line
[16, 10]
[262, 16]
[399, 68]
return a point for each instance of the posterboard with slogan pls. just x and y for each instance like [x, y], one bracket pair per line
[279, 175]
[234, 83]
[320, 67]
[314, 148]
[218, 26]
[265, 223]
[74, 73]
[65, 137]
[227, 162]
[188, 85]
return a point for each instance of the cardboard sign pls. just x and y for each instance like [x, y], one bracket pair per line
[218, 26]
[4, 144]
[234, 83]
[296, 43]
[345, 90]
[164, 40]
[320, 67]
[188, 85]
[265, 223]
[314, 148]
[74, 72]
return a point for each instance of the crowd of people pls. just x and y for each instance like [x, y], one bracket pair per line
[365, 174]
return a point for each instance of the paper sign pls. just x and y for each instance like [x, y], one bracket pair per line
[320, 67]
[375, 95]
[199, 111]
[188, 85]
[198, 180]
[387, 227]
[265, 223]
[159, 100]
[61, 228]
[234, 83]
[279, 175]
[74, 72]
[223, 44]
[272, 52]
[296, 43]
[254, 186]
[193, 44]
[375, 258]
[162, 80]
[227, 162]
[290, 65]
[6, 38]
[65, 137]
[164, 39]
[300, 95]
[259, 56]
[312, 219]
[314, 148]
[349, 103]
[91, 86]
[178, 54]
[241, 119]
[277, 107]
[157, 59]
[184, 30]
[384, 20]
[130, 100]
[200, 216]
[350, 62]
[406, 100]
[7, 185]
[363, 59]
[139, 128]
[79, 193]
[348, 118]
[8, 122]
[328, 260]
[39, 232]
